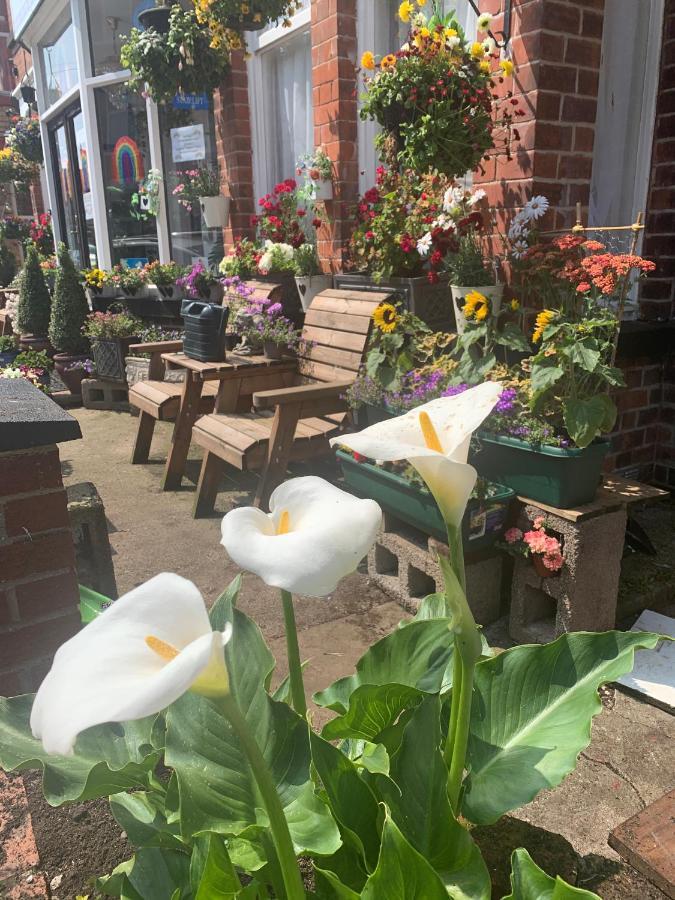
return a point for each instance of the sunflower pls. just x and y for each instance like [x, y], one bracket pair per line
[405, 10]
[476, 304]
[385, 317]
[543, 320]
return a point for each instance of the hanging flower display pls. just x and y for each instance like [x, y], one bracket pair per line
[16, 169]
[24, 137]
[242, 15]
[185, 60]
[435, 97]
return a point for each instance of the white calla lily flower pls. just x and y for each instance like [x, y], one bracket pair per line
[435, 439]
[314, 535]
[139, 656]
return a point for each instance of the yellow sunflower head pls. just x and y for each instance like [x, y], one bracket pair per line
[543, 320]
[405, 10]
[386, 317]
[474, 304]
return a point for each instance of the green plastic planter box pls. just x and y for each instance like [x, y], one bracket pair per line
[561, 478]
[483, 521]
[92, 604]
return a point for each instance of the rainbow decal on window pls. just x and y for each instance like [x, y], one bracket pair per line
[127, 162]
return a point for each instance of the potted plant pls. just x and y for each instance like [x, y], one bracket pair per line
[38, 363]
[472, 278]
[184, 60]
[35, 304]
[137, 367]
[25, 137]
[201, 187]
[110, 335]
[262, 323]
[16, 169]
[164, 277]
[156, 17]
[400, 242]
[41, 233]
[544, 550]
[69, 312]
[438, 84]
[318, 168]
[128, 282]
[201, 283]
[220, 16]
[97, 283]
[241, 260]
[9, 350]
[309, 278]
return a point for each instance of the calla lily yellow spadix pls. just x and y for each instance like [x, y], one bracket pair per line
[435, 439]
[138, 657]
[314, 535]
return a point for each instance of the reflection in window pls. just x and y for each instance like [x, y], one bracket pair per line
[107, 32]
[182, 129]
[289, 126]
[59, 63]
[125, 160]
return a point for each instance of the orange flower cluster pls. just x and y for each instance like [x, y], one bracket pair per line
[606, 271]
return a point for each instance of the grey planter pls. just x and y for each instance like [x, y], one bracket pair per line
[431, 302]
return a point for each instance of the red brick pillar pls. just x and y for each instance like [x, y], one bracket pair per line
[556, 48]
[334, 49]
[38, 580]
[235, 155]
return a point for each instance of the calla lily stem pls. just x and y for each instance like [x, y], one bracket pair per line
[281, 836]
[293, 652]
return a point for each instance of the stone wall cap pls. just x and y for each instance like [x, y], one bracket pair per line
[29, 418]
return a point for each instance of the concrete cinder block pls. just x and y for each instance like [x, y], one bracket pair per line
[583, 596]
[92, 544]
[403, 564]
[98, 393]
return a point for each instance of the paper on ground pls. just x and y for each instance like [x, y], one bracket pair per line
[654, 672]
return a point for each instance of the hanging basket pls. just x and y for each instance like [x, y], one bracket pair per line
[156, 17]
[245, 23]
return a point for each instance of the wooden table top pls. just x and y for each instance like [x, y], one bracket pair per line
[214, 371]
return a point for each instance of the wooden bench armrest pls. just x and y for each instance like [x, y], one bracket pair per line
[300, 394]
[157, 347]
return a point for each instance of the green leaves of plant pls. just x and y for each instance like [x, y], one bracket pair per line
[585, 419]
[107, 759]
[532, 713]
[151, 874]
[529, 882]
[544, 375]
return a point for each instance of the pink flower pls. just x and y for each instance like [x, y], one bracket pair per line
[536, 541]
[552, 545]
[553, 561]
[513, 535]
[538, 522]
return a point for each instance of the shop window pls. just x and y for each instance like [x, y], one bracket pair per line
[189, 142]
[109, 24]
[125, 161]
[59, 63]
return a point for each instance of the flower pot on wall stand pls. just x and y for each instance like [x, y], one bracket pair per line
[311, 285]
[322, 188]
[539, 567]
[215, 210]
[494, 294]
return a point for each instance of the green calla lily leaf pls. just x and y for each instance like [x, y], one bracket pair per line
[142, 815]
[212, 875]
[532, 713]
[529, 882]
[151, 874]
[107, 759]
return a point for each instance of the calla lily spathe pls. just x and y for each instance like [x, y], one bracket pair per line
[139, 656]
[435, 439]
[314, 535]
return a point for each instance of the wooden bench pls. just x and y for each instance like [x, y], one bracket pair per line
[290, 422]
[159, 400]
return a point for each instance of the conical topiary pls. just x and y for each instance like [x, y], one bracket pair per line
[69, 308]
[34, 301]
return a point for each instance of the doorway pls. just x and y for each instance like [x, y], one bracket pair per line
[71, 170]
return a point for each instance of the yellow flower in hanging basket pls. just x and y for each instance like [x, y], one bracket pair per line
[386, 318]
[507, 67]
[388, 61]
[405, 10]
[368, 60]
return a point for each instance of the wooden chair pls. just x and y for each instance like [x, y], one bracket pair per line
[159, 400]
[292, 422]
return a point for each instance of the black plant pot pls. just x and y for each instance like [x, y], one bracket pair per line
[27, 93]
[156, 17]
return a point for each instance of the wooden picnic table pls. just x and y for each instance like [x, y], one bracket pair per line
[240, 376]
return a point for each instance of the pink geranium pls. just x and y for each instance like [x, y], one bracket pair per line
[513, 535]
[536, 541]
[553, 561]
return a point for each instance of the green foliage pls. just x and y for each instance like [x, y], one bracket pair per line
[34, 300]
[467, 267]
[393, 345]
[69, 307]
[35, 359]
[529, 882]
[7, 265]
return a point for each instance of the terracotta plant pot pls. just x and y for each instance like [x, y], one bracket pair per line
[72, 378]
[540, 568]
[35, 342]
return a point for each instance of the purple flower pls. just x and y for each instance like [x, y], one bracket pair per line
[506, 401]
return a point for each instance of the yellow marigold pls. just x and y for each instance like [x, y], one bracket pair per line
[507, 67]
[477, 50]
[424, 32]
[368, 60]
[543, 320]
[485, 67]
[385, 317]
[388, 61]
[515, 305]
[405, 10]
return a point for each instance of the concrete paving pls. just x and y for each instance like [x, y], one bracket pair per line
[629, 764]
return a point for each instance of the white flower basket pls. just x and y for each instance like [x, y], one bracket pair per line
[323, 189]
[494, 294]
[311, 285]
[215, 210]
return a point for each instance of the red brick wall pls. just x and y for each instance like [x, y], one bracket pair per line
[658, 294]
[38, 580]
[556, 50]
[335, 117]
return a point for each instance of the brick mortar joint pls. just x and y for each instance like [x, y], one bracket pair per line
[27, 495]
[35, 579]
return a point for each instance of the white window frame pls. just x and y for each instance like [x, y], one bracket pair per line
[259, 43]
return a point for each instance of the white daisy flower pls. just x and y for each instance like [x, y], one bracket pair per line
[424, 244]
[453, 42]
[477, 196]
[519, 248]
[489, 46]
[484, 20]
[536, 207]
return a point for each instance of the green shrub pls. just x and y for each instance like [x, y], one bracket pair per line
[69, 308]
[34, 300]
[7, 265]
